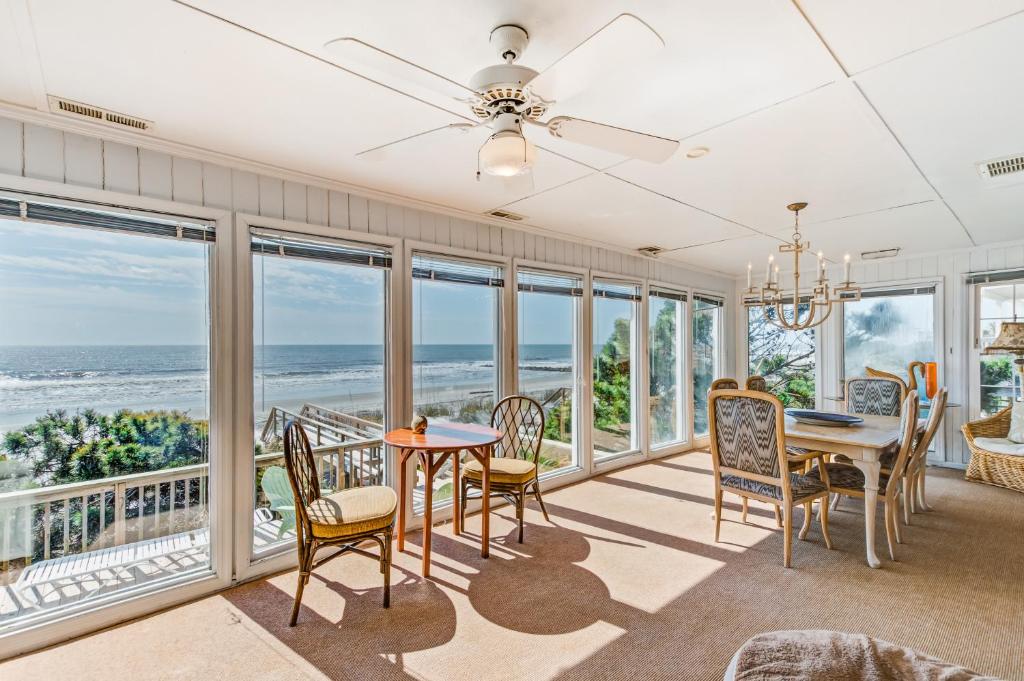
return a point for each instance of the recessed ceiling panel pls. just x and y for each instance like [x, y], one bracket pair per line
[826, 148]
[605, 209]
[868, 32]
[15, 86]
[993, 215]
[731, 257]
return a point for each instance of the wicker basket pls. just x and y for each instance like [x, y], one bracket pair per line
[1003, 470]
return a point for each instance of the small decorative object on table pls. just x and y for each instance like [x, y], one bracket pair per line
[823, 418]
[419, 424]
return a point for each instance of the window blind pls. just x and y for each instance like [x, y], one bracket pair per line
[437, 268]
[543, 282]
[617, 291]
[994, 276]
[701, 301]
[889, 292]
[670, 295]
[327, 250]
[82, 216]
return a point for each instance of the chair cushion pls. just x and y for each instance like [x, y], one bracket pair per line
[1000, 445]
[1016, 433]
[846, 476]
[800, 485]
[503, 469]
[353, 511]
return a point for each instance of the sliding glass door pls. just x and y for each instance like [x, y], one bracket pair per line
[319, 324]
[549, 350]
[105, 366]
[456, 316]
[666, 343]
[615, 370]
[706, 344]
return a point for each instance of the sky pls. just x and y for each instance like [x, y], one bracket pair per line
[76, 286]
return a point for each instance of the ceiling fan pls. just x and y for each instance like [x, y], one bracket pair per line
[505, 97]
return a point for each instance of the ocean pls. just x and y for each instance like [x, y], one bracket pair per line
[36, 379]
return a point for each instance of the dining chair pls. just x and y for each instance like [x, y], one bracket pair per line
[847, 480]
[341, 520]
[748, 453]
[875, 396]
[914, 475]
[757, 383]
[724, 384]
[514, 466]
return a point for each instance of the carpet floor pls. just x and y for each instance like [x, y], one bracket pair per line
[626, 581]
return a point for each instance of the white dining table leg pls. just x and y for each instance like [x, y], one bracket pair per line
[871, 471]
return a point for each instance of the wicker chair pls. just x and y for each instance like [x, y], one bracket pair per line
[342, 520]
[914, 475]
[514, 468]
[993, 468]
[724, 384]
[848, 480]
[757, 383]
[749, 457]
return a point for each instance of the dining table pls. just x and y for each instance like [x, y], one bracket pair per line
[433, 447]
[864, 444]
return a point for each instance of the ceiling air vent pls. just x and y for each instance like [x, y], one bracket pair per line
[878, 255]
[652, 251]
[506, 215]
[75, 109]
[1000, 167]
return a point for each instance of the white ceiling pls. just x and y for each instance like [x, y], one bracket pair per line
[875, 112]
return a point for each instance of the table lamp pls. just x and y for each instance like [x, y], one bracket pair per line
[1010, 342]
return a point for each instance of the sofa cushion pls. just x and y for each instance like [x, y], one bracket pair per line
[1000, 445]
[1016, 433]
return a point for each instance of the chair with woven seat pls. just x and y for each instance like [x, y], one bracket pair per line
[341, 520]
[514, 466]
[757, 383]
[724, 384]
[914, 474]
[748, 453]
[848, 480]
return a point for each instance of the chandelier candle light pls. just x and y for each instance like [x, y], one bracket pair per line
[813, 307]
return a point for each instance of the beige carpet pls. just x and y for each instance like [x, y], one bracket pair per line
[626, 582]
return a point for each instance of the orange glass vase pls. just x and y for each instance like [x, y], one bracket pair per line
[931, 379]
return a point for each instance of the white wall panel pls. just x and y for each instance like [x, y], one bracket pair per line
[11, 139]
[44, 153]
[187, 180]
[271, 197]
[217, 186]
[317, 207]
[83, 160]
[295, 201]
[338, 209]
[155, 174]
[120, 168]
[245, 192]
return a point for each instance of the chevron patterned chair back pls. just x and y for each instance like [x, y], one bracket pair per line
[745, 429]
[874, 396]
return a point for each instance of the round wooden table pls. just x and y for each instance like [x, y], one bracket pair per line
[432, 449]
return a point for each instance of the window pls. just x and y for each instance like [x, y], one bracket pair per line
[104, 407]
[319, 320]
[666, 340]
[456, 321]
[615, 368]
[784, 358]
[997, 303]
[889, 329]
[707, 330]
[548, 339]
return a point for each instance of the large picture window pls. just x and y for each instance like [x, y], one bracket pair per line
[997, 303]
[707, 330]
[784, 358]
[104, 407]
[666, 341]
[456, 319]
[888, 329]
[615, 368]
[319, 319]
[548, 339]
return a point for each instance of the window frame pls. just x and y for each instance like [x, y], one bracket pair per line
[974, 342]
[638, 344]
[721, 359]
[91, 615]
[683, 371]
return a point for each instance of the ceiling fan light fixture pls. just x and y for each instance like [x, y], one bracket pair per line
[506, 154]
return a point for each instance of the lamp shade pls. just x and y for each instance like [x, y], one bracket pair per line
[1010, 340]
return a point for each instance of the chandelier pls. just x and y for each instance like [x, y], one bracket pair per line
[808, 308]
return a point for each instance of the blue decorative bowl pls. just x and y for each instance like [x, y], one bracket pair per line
[824, 418]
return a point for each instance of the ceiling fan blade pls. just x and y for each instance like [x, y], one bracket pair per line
[381, 152]
[619, 141]
[623, 41]
[392, 70]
